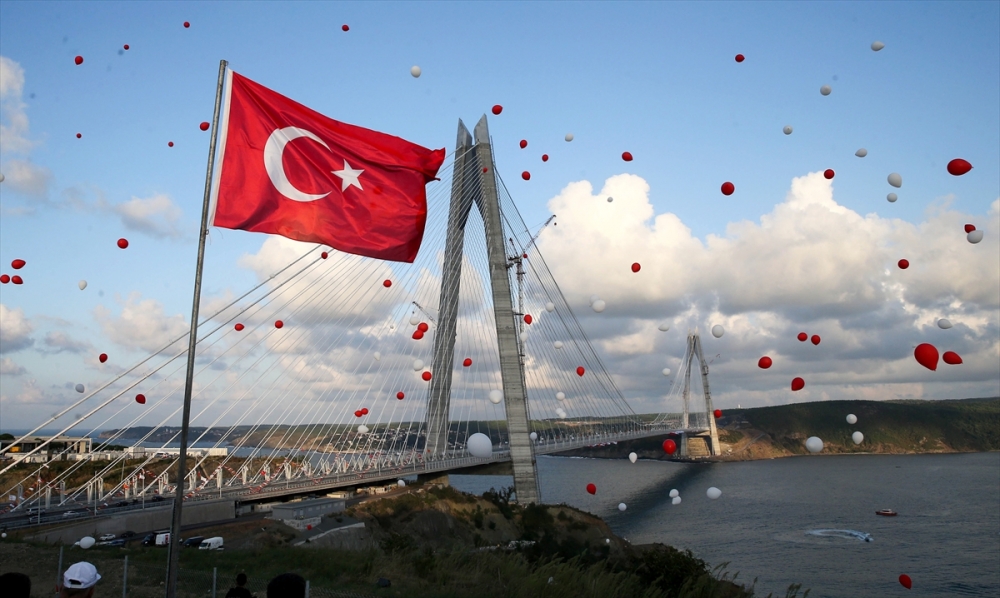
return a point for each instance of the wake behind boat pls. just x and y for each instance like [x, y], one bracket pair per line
[842, 533]
[886, 513]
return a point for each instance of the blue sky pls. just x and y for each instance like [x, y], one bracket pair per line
[656, 79]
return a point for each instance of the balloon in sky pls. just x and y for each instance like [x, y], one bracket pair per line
[78, 60]
[496, 396]
[825, 90]
[951, 358]
[592, 489]
[764, 362]
[4, 278]
[905, 581]
[975, 236]
[599, 305]
[16, 279]
[944, 324]
[633, 457]
[423, 327]
[497, 109]
[861, 153]
[526, 175]
[627, 156]
[387, 283]
[524, 337]
[400, 395]
[787, 130]
[852, 419]
[569, 137]
[666, 371]
[362, 429]
[523, 143]
[414, 320]
[401, 483]
[426, 376]
[17, 264]
[550, 307]
[418, 334]
[814, 444]
[969, 228]
[278, 323]
[895, 180]
[122, 243]
[903, 264]
[718, 331]
[82, 284]
[675, 500]
[891, 198]
[958, 167]
[415, 71]
[558, 344]
[103, 357]
[2, 177]
[561, 396]
[829, 173]
[858, 437]
[876, 46]
[636, 267]
[580, 371]
[728, 188]
[79, 135]
[713, 493]
[358, 413]
[480, 445]
[545, 157]
[621, 507]
[798, 384]
[717, 413]
[740, 58]
[664, 327]
[140, 398]
[802, 336]
[669, 446]
[377, 356]
[344, 27]
[418, 365]
[186, 24]
[467, 362]
[674, 493]
[87, 542]
[170, 144]
[815, 339]
[926, 355]
[527, 319]
[79, 388]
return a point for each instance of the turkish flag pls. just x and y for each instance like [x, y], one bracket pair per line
[288, 170]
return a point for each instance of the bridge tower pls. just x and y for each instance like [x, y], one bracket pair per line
[474, 182]
[694, 350]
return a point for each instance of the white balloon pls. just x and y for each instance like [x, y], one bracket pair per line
[892, 197]
[599, 305]
[418, 365]
[664, 327]
[895, 180]
[676, 500]
[496, 396]
[524, 336]
[674, 493]
[944, 324]
[362, 429]
[852, 419]
[533, 436]
[858, 437]
[593, 298]
[825, 90]
[713, 493]
[4, 534]
[622, 507]
[479, 445]
[814, 444]
[718, 331]
[86, 542]
[561, 413]
[787, 130]
[633, 457]
[558, 344]
[550, 307]
[561, 395]
[610, 199]
[377, 356]
[861, 153]
[401, 483]
[415, 71]
[666, 371]
[569, 137]
[876, 46]
[975, 236]
[414, 320]
[82, 284]
[2, 177]
[79, 388]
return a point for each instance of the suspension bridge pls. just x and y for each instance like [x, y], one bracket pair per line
[332, 346]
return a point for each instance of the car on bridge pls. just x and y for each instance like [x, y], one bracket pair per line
[106, 537]
[71, 514]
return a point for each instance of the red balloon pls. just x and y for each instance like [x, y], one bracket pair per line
[364, 411]
[958, 167]
[103, 357]
[580, 371]
[122, 243]
[497, 109]
[815, 339]
[467, 362]
[400, 395]
[717, 413]
[905, 581]
[204, 126]
[592, 489]
[627, 156]
[728, 188]
[926, 355]
[387, 283]
[278, 324]
[186, 24]
[828, 173]
[324, 255]
[417, 335]
[969, 228]
[422, 327]
[527, 319]
[140, 398]
[803, 337]
[485, 169]
[358, 413]
[16, 279]
[526, 175]
[545, 157]
[19, 263]
[798, 384]
[764, 362]
[739, 58]
[951, 358]
[79, 135]
[309, 527]
[524, 143]
[903, 264]
[170, 144]
[4, 279]
[238, 327]
[125, 46]
[78, 60]
[636, 267]
[426, 376]
[345, 28]
[669, 446]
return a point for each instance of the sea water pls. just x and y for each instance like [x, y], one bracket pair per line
[803, 519]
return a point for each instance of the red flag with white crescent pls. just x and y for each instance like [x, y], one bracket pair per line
[288, 170]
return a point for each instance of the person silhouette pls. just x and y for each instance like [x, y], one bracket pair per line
[239, 591]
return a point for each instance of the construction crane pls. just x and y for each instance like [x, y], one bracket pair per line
[518, 260]
[425, 312]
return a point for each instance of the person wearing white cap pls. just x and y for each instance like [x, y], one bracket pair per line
[79, 581]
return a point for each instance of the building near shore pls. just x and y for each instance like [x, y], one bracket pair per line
[305, 513]
[60, 447]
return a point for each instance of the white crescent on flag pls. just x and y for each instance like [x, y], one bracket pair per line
[273, 151]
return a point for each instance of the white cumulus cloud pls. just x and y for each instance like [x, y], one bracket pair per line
[15, 330]
[142, 324]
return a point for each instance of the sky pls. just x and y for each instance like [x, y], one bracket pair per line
[789, 250]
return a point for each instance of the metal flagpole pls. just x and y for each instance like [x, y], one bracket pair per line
[175, 527]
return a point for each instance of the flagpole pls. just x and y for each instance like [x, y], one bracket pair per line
[175, 526]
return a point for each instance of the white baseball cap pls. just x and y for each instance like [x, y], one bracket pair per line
[81, 575]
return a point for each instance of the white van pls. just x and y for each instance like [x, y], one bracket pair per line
[162, 539]
[211, 544]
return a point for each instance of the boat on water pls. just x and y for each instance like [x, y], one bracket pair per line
[886, 513]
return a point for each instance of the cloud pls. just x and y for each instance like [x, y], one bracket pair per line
[60, 342]
[27, 178]
[19, 174]
[141, 324]
[15, 330]
[9, 368]
[156, 216]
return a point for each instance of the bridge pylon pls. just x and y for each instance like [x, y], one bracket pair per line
[693, 351]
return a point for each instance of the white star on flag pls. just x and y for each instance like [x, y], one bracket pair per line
[348, 177]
